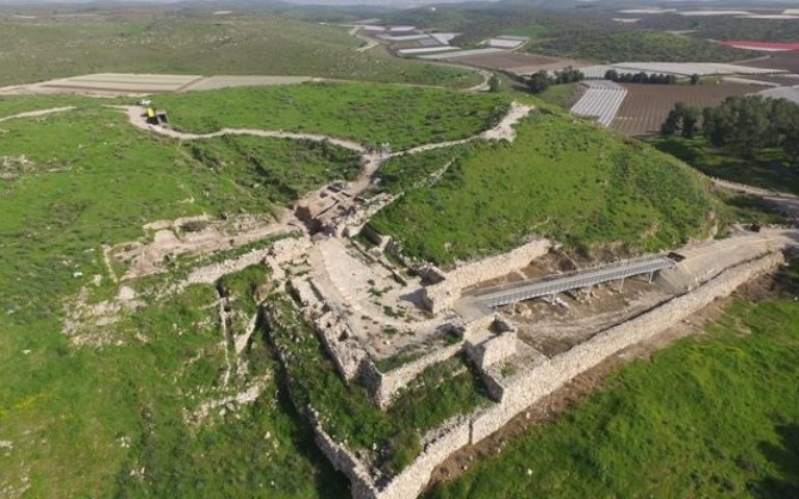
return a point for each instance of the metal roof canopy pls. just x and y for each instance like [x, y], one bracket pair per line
[552, 285]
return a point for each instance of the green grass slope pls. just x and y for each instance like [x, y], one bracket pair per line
[714, 416]
[366, 113]
[562, 178]
[205, 45]
[84, 421]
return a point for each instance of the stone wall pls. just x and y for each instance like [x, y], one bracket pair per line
[527, 387]
[344, 461]
[343, 347]
[442, 296]
[383, 387]
[351, 224]
[495, 349]
[413, 479]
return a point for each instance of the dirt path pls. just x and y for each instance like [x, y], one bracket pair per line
[370, 43]
[138, 120]
[36, 114]
[504, 130]
[788, 203]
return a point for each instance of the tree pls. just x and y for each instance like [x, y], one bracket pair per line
[612, 75]
[690, 122]
[538, 82]
[493, 84]
[683, 119]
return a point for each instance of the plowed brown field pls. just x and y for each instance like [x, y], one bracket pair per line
[647, 106]
[517, 62]
[789, 61]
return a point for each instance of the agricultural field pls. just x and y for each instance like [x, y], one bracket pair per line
[552, 181]
[362, 112]
[789, 61]
[163, 42]
[731, 430]
[516, 62]
[130, 83]
[609, 46]
[647, 106]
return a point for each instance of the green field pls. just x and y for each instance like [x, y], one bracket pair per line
[712, 416]
[174, 43]
[366, 113]
[562, 179]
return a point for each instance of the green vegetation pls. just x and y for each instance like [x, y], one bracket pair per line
[11, 105]
[725, 27]
[405, 172]
[563, 96]
[747, 139]
[346, 411]
[366, 113]
[279, 170]
[747, 125]
[71, 183]
[714, 416]
[769, 169]
[173, 43]
[562, 179]
[619, 46]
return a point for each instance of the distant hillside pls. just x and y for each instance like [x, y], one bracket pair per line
[157, 42]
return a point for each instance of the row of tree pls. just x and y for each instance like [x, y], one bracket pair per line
[654, 79]
[744, 125]
[542, 80]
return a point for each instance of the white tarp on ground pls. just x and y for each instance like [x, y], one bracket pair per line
[789, 93]
[463, 53]
[602, 101]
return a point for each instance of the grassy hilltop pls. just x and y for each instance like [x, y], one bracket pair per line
[113, 421]
[128, 418]
[561, 178]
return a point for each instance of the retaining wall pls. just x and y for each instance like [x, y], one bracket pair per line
[443, 295]
[382, 387]
[529, 386]
[526, 388]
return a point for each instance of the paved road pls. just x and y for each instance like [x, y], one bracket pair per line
[517, 292]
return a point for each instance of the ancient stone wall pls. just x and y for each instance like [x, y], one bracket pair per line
[344, 461]
[529, 386]
[522, 389]
[351, 224]
[343, 347]
[495, 349]
[410, 482]
[383, 387]
[443, 295]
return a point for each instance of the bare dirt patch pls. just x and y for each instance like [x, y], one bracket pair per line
[647, 106]
[518, 62]
[789, 61]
